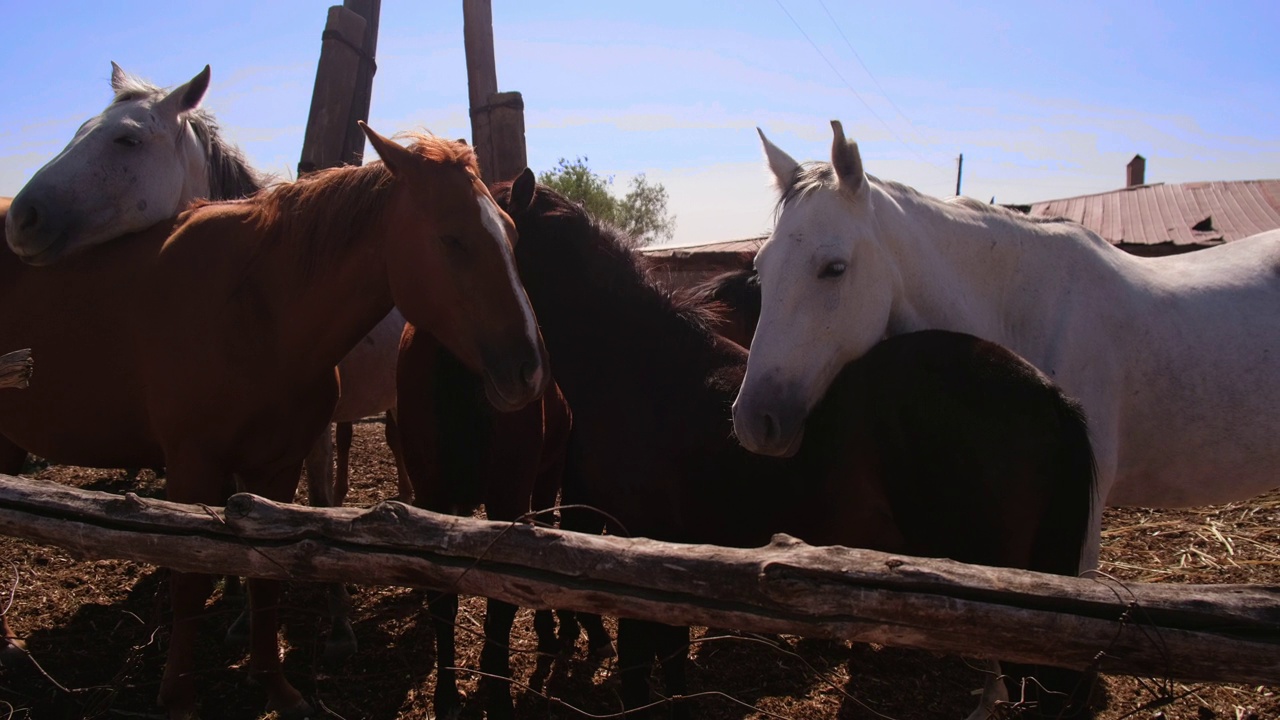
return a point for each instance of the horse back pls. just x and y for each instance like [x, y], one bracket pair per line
[980, 458]
[80, 317]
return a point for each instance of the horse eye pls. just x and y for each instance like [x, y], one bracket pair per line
[128, 141]
[833, 269]
[452, 241]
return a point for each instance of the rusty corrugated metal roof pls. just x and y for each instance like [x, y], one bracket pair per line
[1196, 213]
[732, 247]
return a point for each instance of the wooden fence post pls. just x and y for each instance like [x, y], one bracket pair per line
[370, 10]
[335, 99]
[497, 119]
[15, 369]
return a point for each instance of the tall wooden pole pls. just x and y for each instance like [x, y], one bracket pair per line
[959, 171]
[344, 77]
[497, 119]
[370, 10]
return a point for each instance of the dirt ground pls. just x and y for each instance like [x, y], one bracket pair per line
[98, 630]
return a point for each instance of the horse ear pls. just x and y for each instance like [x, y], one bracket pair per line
[186, 97]
[118, 77]
[394, 155]
[781, 164]
[847, 161]
[522, 192]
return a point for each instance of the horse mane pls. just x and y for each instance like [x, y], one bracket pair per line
[612, 261]
[230, 176]
[810, 177]
[330, 208]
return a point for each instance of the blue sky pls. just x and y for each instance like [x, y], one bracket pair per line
[1045, 100]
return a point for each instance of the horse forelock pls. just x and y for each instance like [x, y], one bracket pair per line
[438, 150]
[808, 178]
[132, 88]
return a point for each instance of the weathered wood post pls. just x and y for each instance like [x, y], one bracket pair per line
[362, 97]
[497, 119]
[15, 369]
[344, 82]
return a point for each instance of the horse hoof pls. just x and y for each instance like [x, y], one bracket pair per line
[603, 651]
[13, 653]
[338, 649]
[447, 714]
[447, 708]
[301, 711]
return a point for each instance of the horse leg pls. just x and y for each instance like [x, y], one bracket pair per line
[404, 488]
[191, 481]
[495, 659]
[279, 484]
[444, 614]
[12, 457]
[636, 653]
[319, 468]
[12, 649]
[672, 647]
[994, 693]
[1049, 692]
[325, 489]
[510, 477]
[342, 454]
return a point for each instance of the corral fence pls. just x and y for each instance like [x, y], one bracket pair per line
[1194, 633]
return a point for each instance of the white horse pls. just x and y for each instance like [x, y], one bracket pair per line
[139, 161]
[1174, 358]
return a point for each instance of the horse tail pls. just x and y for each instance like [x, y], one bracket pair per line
[1060, 541]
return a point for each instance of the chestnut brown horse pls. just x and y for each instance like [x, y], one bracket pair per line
[211, 349]
[459, 454]
[936, 444]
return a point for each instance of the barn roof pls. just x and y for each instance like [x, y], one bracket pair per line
[1195, 213]
[727, 247]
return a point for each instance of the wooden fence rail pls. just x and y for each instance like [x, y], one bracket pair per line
[15, 369]
[1185, 632]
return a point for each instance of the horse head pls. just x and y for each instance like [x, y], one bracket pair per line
[827, 289]
[451, 265]
[136, 163]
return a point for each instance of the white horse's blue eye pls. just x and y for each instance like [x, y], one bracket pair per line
[833, 269]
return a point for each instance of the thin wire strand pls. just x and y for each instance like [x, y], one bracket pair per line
[857, 94]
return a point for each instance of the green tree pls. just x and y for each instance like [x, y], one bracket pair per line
[641, 213]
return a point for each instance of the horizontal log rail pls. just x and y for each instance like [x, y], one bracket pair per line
[1196, 633]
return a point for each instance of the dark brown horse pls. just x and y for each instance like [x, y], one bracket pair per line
[461, 453]
[211, 349]
[934, 444]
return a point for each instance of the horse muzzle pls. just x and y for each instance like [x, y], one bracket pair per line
[771, 420]
[36, 235]
[516, 378]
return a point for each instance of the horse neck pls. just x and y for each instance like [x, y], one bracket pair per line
[327, 292]
[605, 329]
[999, 278]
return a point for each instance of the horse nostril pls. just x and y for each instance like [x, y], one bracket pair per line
[529, 372]
[770, 428]
[29, 218]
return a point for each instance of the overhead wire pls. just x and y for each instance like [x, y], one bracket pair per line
[854, 90]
